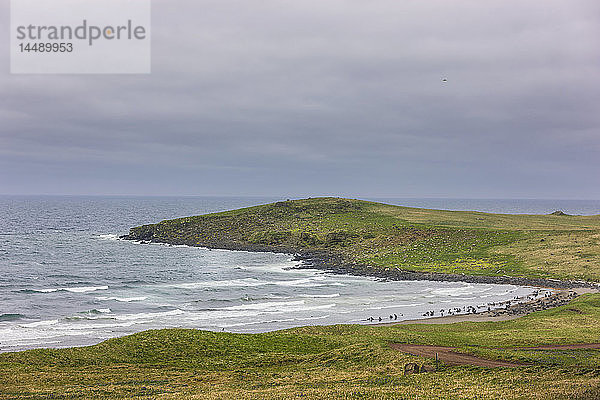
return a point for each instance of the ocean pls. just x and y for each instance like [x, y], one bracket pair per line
[66, 279]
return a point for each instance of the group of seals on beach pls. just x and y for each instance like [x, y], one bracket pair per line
[540, 299]
[393, 317]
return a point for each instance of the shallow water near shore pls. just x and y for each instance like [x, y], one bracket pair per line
[65, 279]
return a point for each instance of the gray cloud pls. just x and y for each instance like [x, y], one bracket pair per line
[342, 97]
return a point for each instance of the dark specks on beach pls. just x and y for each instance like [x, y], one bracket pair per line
[540, 299]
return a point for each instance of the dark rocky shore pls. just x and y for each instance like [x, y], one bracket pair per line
[331, 262]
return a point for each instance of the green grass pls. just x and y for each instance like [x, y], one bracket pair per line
[342, 362]
[385, 236]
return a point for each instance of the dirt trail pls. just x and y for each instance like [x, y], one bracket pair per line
[450, 355]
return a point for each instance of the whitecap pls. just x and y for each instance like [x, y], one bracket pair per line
[83, 289]
[40, 323]
[454, 292]
[45, 290]
[108, 236]
[215, 284]
[277, 305]
[253, 282]
[122, 299]
[149, 316]
[97, 311]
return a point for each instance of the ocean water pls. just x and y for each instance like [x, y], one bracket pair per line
[66, 280]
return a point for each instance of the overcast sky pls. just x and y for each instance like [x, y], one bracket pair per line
[313, 97]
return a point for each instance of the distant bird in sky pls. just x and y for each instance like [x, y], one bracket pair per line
[444, 80]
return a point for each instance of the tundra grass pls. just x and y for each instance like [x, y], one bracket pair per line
[333, 362]
[384, 236]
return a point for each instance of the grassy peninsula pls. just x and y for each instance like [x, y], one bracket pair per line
[351, 361]
[370, 236]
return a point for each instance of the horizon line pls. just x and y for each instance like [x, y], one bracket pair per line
[294, 197]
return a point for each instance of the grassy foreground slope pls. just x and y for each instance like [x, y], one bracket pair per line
[334, 362]
[385, 236]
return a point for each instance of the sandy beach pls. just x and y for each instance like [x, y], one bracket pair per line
[556, 299]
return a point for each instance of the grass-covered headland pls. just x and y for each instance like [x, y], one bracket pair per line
[367, 237]
[352, 361]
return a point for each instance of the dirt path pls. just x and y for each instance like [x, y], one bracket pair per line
[450, 355]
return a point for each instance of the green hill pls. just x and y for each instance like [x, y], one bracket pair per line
[368, 235]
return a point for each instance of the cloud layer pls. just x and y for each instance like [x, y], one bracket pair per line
[338, 97]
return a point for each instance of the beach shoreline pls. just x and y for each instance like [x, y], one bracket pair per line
[557, 299]
[562, 291]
